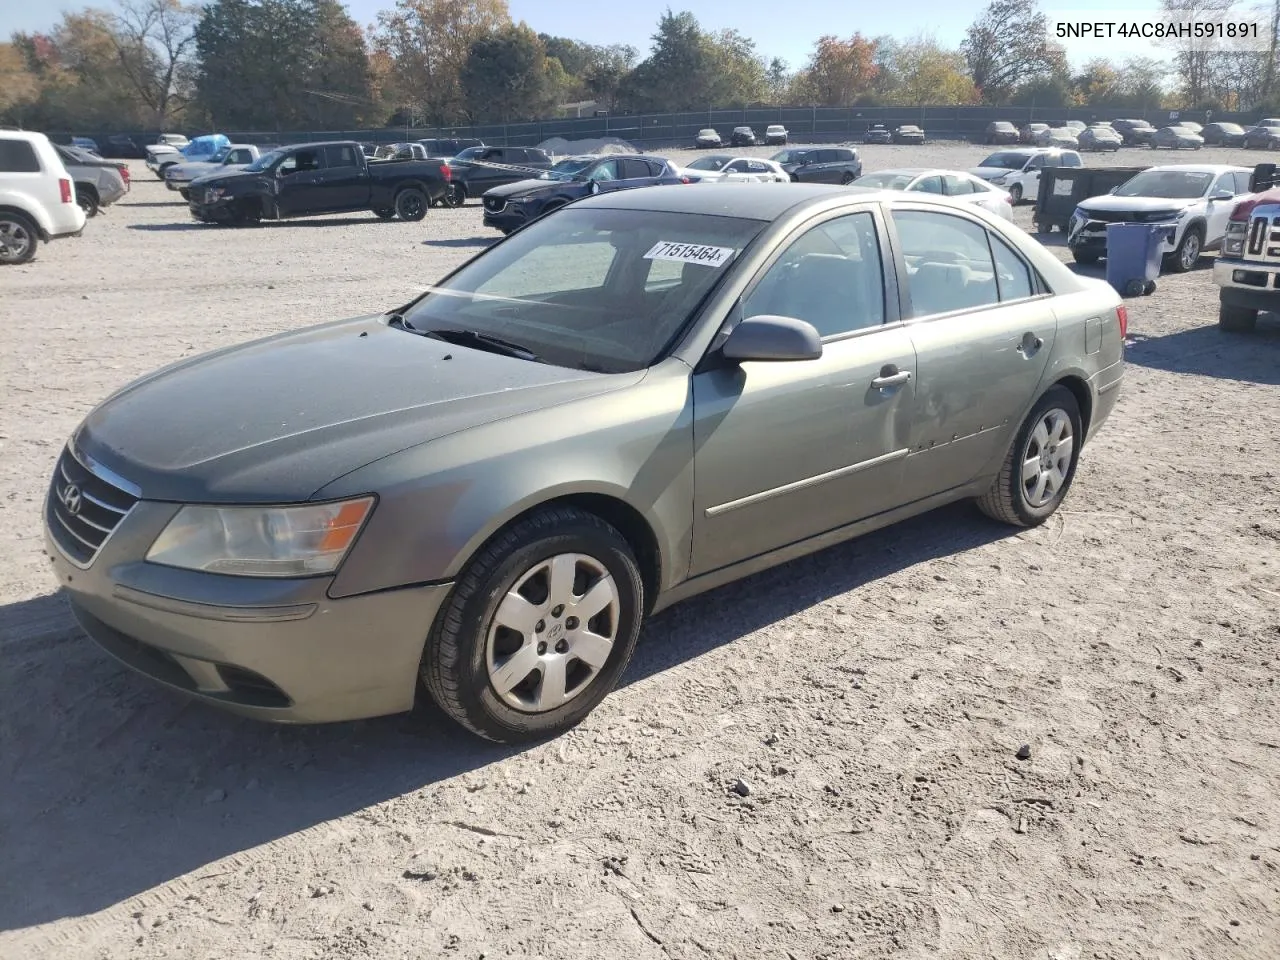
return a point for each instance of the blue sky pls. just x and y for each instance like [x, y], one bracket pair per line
[782, 28]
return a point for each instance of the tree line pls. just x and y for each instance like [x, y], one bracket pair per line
[306, 64]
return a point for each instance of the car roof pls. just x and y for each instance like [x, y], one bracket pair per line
[743, 200]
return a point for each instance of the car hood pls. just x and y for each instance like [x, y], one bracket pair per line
[991, 173]
[277, 419]
[1110, 202]
[214, 178]
[193, 167]
[523, 188]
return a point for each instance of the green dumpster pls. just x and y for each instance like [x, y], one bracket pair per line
[1063, 188]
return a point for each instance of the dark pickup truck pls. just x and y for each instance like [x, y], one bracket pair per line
[311, 179]
[478, 169]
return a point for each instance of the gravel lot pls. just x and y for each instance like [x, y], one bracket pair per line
[873, 697]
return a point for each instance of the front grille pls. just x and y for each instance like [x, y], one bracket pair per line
[1262, 242]
[495, 204]
[84, 509]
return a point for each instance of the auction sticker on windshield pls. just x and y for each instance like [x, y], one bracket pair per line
[689, 253]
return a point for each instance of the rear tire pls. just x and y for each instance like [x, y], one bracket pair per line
[1037, 472]
[411, 204]
[1237, 319]
[87, 200]
[454, 196]
[847, 179]
[18, 238]
[482, 638]
[1085, 257]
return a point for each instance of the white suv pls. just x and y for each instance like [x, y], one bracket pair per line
[1194, 200]
[37, 196]
[1017, 170]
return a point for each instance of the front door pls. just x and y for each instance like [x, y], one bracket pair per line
[299, 179]
[983, 327]
[786, 451]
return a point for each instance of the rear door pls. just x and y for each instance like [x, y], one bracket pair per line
[982, 325]
[343, 179]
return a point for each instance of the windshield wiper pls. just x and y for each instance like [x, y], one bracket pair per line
[483, 341]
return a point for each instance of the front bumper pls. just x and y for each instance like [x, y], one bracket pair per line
[509, 217]
[1245, 283]
[277, 650]
[175, 185]
[1092, 234]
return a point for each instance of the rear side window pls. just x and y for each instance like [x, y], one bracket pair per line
[957, 185]
[340, 156]
[634, 170]
[949, 262]
[1012, 273]
[928, 185]
[18, 156]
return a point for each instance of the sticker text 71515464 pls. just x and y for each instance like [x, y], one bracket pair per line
[689, 253]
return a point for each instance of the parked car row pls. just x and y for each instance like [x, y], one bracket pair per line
[38, 200]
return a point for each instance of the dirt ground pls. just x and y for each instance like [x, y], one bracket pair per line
[872, 697]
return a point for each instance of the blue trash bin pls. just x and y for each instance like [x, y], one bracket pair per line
[1134, 256]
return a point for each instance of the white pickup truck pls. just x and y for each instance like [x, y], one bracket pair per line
[1247, 271]
[37, 196]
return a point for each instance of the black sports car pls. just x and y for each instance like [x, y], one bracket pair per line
[877, 133]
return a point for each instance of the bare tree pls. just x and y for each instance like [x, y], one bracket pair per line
[154, 41]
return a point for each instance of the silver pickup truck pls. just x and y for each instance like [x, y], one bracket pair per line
[1247, 270]
[234, 156]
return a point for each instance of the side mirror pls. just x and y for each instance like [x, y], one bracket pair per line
[1262, 178]
[1222, 195]
[768, 338]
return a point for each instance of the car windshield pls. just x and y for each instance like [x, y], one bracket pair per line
[774, 128]
[1005, 160]
[1166, 185]
[265, 161]
[709, 163]
[568, 169]
[885, 180]
[1230, 127]
[593, 289]
[706, 133]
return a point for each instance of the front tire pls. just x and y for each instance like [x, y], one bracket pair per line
[1041, 463]
[1015, 194]
[1085, 257]
[538, 629]
[1237, 319]
[1187, 254]
[454, 196]
[18, 238]
[411, 204]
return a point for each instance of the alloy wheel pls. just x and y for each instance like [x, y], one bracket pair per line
[1046, 460]
[15, 241]
[1190, 250]
[553, 632]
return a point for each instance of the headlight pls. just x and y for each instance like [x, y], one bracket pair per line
[214, 193]
[1233, 242]
[295, 541]
[1000, 180]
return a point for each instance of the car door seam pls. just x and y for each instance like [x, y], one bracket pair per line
[804, 483]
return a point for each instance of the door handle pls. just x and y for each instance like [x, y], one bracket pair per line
[891, 376]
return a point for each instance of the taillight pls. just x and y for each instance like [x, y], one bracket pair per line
[685, 180]
[124, 172]
[1122, 314]
[446, 172]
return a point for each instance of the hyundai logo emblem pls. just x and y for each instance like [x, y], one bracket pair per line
[72, 499]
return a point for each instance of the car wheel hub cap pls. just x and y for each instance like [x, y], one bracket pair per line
[552, 633]
[13, 241]
[1047, 458]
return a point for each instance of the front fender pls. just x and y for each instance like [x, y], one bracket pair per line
[440, 501]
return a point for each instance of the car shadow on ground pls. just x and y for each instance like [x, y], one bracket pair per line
[175, 202]
[117, 785]
[1209, 352]
[462, 242]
